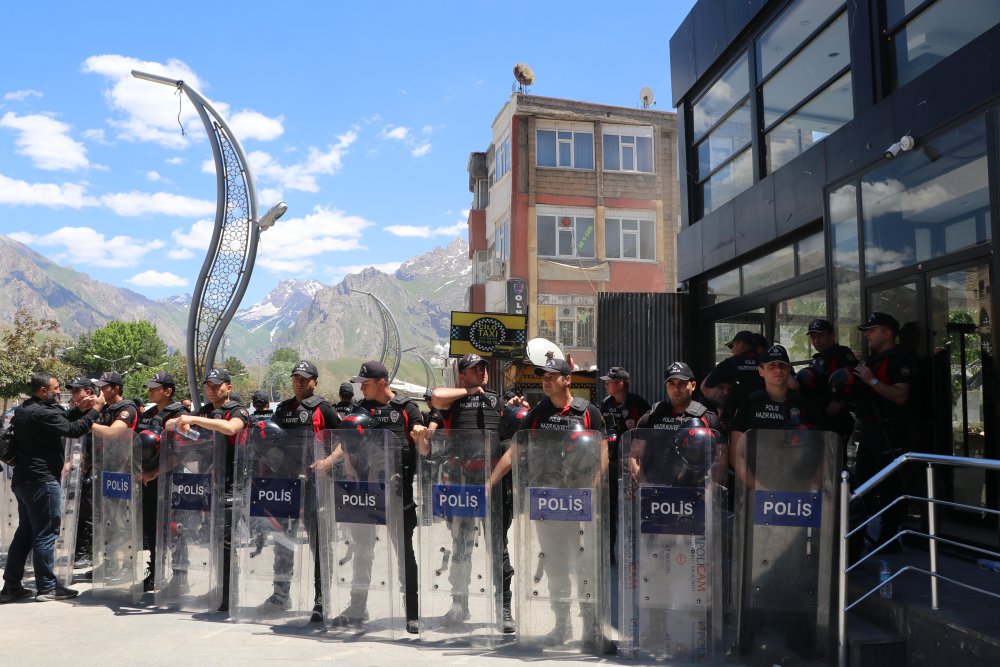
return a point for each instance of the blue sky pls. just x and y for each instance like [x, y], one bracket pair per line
[361, 117]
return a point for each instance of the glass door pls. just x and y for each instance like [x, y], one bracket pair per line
[791, 323]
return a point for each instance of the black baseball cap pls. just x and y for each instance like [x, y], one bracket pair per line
[759, 340]
[554, 366]
[161, 379]
[877, 319]
[721, 374]
[819, 326]
[744, 336]
[347, 388]
[305, 369]
[260, 397]
[81, 382]
[776, 353]
[371, 370]
[679, 369]
[110, 377]
[616, 373]
[470, 360]
[218, 376]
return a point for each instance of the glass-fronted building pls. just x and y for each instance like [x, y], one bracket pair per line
[842, 157]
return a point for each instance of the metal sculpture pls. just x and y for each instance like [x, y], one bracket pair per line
[228, 265]
[391, 353]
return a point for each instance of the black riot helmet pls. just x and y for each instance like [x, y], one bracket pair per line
[269, 438]
[511, 420]
[149, 445]
[359, 420]
[810, 378]
[844, 383]
[694, 441]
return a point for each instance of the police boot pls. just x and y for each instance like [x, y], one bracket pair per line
[356, 612]
[506, 617]
[459, 611]
[562, 631]
[317, 612]
[593, 635]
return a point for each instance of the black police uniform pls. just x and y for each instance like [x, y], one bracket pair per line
[313, 414]
[153, 420]
[744, 370]
[482, 412]
[344, 407]
[826, 362]
[407, 415]
[759, 411]
[618, 418]
[261, 415]
[663, 417]
[229, 410]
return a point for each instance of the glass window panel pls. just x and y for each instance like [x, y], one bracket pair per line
[910, 203]
[825, 56]
[813, 122]
[630, 225]
[810, 253]
[612, 159]
[938, 32]
[584, 149]
[566, 242]
[794, 26]
[628, 140]
[566, 333]
[630, 246]
[846, 264]
[724, 94]
[563, 134]
[722, 288]
[644, 151]
[773, 268]
[628, 158]
[791, 321]
[565, 154]
[612, 237]
[896, 10]
[584, 237]
[647, 240]
[546, 235]
[725, 140]
[545, 149]
[584, 327]
[725, 329]
[728, 182]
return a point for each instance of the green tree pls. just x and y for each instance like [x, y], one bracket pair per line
[25, 346]
[175, 364]
[122, 346]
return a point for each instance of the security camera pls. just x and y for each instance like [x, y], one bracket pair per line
[905, 143]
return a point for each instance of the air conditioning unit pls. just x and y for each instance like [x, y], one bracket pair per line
[496, 269]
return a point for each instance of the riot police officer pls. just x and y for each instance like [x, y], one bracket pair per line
[83, 387]
[261, 403]
[742, 368]
[346, 402]
[470, 406]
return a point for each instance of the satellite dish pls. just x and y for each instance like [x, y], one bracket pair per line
[646, 95]
[524, 75]
[541, 350]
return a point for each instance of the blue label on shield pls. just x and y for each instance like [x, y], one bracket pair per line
[550, 504]
[273, 497]
[116, 485]
[672, 511]
[467, 500]
[787, 508]
[190, 491]
[360, 502]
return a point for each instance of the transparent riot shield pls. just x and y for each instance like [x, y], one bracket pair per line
[670, 532]
[272, 564]
[8, 511]
[65, 547]
[118, 563]
[189, 521]
[361, 530]
[460, 539]
[560, 505]
[783, 547]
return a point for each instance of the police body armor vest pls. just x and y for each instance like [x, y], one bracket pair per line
[298, 417]
[154, 422]
[661, 416]
[392, 417]
[480, 412]
[572, 420]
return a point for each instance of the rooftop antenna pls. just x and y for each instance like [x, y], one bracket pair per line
[646, 95]
[525, 76]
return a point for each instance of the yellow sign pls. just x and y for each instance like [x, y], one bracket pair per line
[484, 333]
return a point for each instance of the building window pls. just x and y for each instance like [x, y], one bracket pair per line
[720, 122]
[628, 148]
[921, 35]
[569, 326]
[564, 145]
[501, 241]
[565, 234]
[630, 236]
[502, 159]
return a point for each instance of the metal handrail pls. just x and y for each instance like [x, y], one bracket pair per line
[932, 537]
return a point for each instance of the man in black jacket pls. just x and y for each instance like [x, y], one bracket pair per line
[39, 427]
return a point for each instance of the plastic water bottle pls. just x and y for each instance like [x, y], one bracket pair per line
[191, 434]
[883, 576]
[991, 565]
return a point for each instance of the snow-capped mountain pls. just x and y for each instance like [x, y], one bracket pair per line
[281, 307]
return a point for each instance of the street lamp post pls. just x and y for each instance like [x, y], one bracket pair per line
[113, 362]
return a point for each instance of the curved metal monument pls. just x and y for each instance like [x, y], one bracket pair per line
[226, 272]
[391, 353]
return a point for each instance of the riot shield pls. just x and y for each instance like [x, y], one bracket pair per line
[8, 510]
[118, 566]
[783, 547]
[560, 505]
[189, 521]
[460, 539]
[272, 564]
[360, 531]
[670, 532]
[65, 547]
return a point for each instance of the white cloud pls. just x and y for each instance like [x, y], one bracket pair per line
[302, 175]
[451, 230]
[46, 142]
[427, 129]
[157, 279]
[179, 253]
[397, 133]
[21, 95]
[86, 246]
[268, 197]
[175, 160]
[322, 230]
[425, 231]
[421, 150]
[53, 195]
[248, 124]
[94, 134]
[297, 266]
[130, 204]
[153, 176]
[197, 237]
